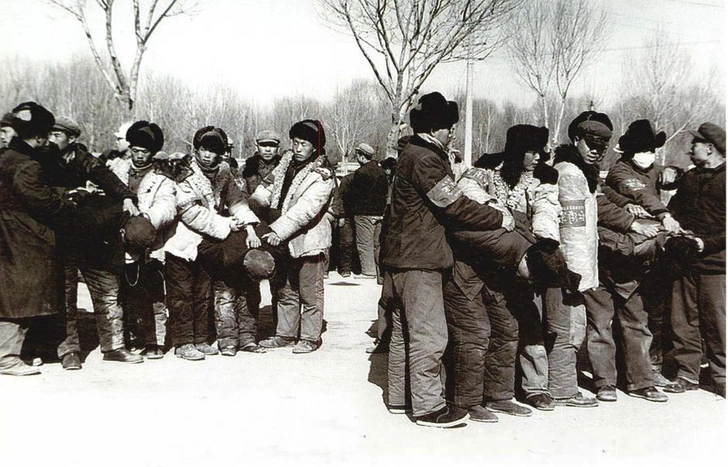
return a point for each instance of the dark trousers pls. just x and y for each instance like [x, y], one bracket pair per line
[236, 316]
[142, 296]
[602, 306]
[698, 312]
[484, 337]
[656, 290]
[299, 291]
[384, 309]
[346, 245]
[189, 294]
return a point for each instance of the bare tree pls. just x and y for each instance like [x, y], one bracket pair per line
[551, 43]
[146, 20]
[404, 40]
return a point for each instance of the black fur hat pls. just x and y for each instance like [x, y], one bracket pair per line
[641, 137]
[311, 131]
[30, 119]
[433, 112]
[145, 135]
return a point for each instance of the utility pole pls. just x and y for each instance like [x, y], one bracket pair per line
[468, 149]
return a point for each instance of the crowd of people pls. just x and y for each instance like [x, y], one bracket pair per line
[493, 276]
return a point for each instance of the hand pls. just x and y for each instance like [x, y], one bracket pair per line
[272, 239]
[252, 241]
[700, 243]
[342, 222]
[637, 211]
[129, 207]
[668, 175]
[648, 230]
[670, 224]
[235, 224]
[508, 222]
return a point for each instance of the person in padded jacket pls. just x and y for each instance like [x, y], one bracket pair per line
[425, 203]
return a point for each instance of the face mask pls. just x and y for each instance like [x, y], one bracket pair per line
[644, 160]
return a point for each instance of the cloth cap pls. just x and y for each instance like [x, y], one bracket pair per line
[145, 135]
[711, 133]
[365, 150]
[268, 136]
[259, 264]
[596, 133]
[433, 112]
[640, 137]
[139, 233]
[68, 125]
[7, 119]
[32, 119]
[311, 131]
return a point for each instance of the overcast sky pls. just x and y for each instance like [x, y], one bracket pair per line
[273, 48]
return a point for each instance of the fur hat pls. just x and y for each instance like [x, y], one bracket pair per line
[211, 138]
[712, 134]
[31, 119]
[67, 125]
[640, 137]
[433, 112]
[139, 233]
[311, 131]
[145, 135]
[526, 138]
[548, 266]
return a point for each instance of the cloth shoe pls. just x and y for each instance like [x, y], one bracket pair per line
[541, 401]
[277, 342]
[509, 408]
[122, 356]
[480, 414]
[681, 385]
[659, 380]
[14, 366]
[229, 351]
[577, 400]
[305, 346]
[152, 352]
[720, 390]
[71, 361]
[189, 352]
[650, 393]
[449, 416]
[252, 347]
[607, 393]
[206, 348]
[398, 409]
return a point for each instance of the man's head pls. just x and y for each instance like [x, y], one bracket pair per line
[364, 153]
[6, 129]
[145, 140]
[32, 122]
[590, 133]
[267, 144]
[259, 264]
[64, 132]
[138, 234]
[210, 143]
[307, 139]
[545, 264]
[707, 148]
[121, 143]
[436, 116]
[639, 143]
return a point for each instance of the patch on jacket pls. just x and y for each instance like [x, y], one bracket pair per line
[573, 213]
[632, 184]
[445, 192]
[325, 173]
[478, 175]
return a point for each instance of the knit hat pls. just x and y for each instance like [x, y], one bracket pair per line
[640, 137]
[31, 119]
[433, 112]
[268, 136]
[311, 131]
[259, 264]
[365, 150]
[548, 266]
[712, 134]
[139, 233]
[67, 125]
[145, 135]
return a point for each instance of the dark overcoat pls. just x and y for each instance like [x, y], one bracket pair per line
[29, 208]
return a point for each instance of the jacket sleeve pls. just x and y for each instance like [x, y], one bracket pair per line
[101, 175]
[163, 209]
[612, 216]
[238, 202]
[197, 217]
[306, 208]
[38, 197]
[433, 181]
[546, 215]
[635, 190]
